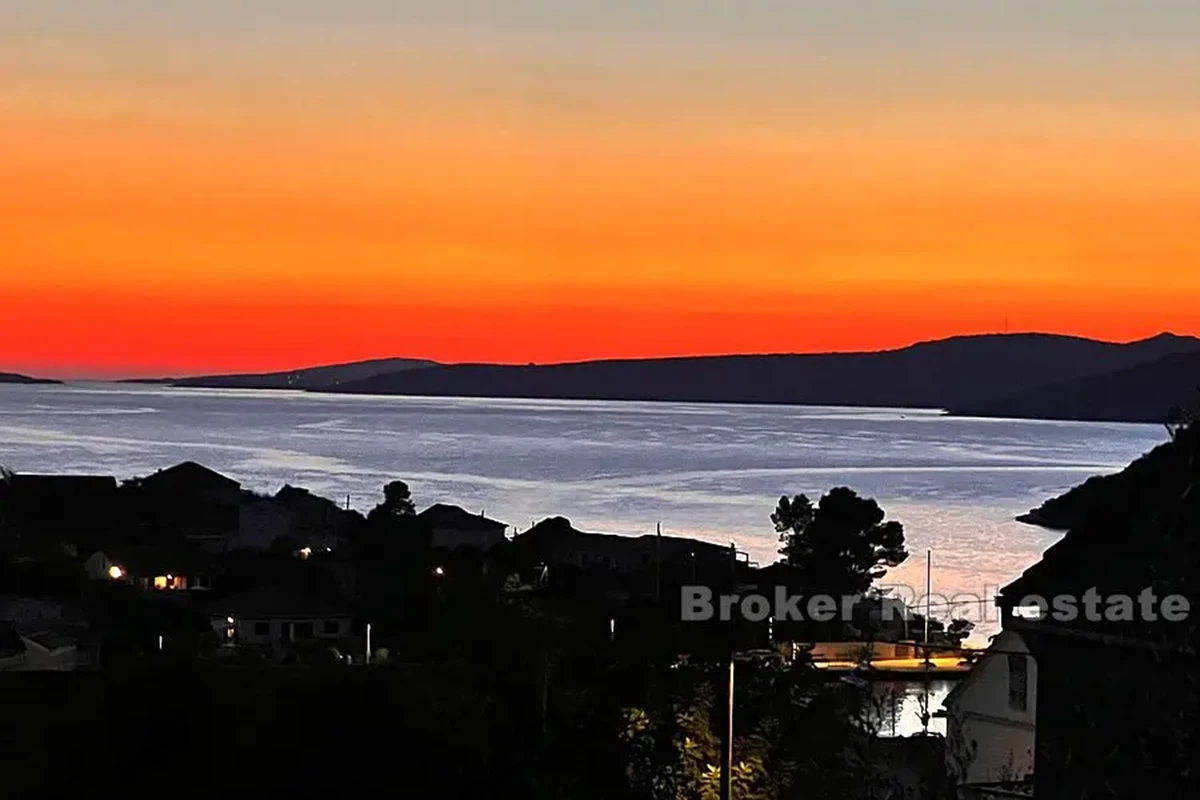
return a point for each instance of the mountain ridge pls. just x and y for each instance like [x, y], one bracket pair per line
[946, 373]
[965, 375]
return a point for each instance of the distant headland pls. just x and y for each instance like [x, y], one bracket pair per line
[1026, 375]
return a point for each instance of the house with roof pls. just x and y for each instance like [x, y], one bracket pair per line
[42, 651]
[305, 519]
[191, 502]
[278, 618]
[167, 568]
[50, 651]
[991, 719]
[1106, 617]
[37, 511]
[559, 544]
[453, 528]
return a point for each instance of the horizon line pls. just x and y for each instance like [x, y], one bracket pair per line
[88, 376]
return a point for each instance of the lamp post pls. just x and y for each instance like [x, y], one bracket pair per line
[727, 740]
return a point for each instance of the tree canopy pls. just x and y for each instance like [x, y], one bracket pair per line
[397, 503]
[840, 545]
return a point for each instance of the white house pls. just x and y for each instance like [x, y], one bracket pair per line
[49, 651]
[991, 715]
[278, 618]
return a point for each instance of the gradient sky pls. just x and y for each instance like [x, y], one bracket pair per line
[253, 184]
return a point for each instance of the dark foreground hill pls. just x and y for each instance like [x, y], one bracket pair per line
[12, 377]
[1154, 479]
[1141, 393]
[309, 378]
[961, 372]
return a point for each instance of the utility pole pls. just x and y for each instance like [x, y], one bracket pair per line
[727, 740]
[928, 593]
[658, 565]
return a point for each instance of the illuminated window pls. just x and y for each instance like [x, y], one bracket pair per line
[160, 582]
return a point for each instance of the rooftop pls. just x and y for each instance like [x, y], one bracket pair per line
[191, 474]
[455, 516]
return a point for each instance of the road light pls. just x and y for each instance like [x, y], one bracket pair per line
[438, 571]
[116, 573]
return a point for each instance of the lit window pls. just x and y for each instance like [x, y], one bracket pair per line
[1027, 612]
[116, 573]
[160, 582]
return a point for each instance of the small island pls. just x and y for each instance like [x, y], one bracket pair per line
[12, 377]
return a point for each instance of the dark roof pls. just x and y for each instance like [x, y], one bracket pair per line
[49, 502]
[50, 640]
[60, 495]
[192, 475]
[559, 530]
[291, 495]
[271, 602]
[60, 484]
[445, 515]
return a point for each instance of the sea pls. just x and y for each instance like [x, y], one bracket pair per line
[713, 472]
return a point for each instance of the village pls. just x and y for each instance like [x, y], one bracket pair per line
[186, 569]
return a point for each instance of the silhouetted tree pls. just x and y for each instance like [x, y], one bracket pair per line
[397, 503]
[959, 629]
[790, 516]
[843, 544]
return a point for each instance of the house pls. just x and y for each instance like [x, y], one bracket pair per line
[991, 718]
[1106, 616]
[278, 618]
[43, 651]
[43, 510]
[55, 635]
[452, 528]
[295, 515]
[557, 544]
[50, 651]
[191, 502]
[153, 568]
[316, 522]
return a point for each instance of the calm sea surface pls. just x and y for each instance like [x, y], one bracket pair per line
[710, 471]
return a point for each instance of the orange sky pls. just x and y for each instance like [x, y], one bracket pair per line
[178, 203]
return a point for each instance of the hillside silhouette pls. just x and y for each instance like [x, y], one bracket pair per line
[1141, 393]
[12, 377]
[954, 373]
[307, 378]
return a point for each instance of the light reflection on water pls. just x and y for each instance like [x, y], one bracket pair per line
[710, 471]
[897, 707]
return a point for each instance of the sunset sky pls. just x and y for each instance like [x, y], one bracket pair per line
[190, 187]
